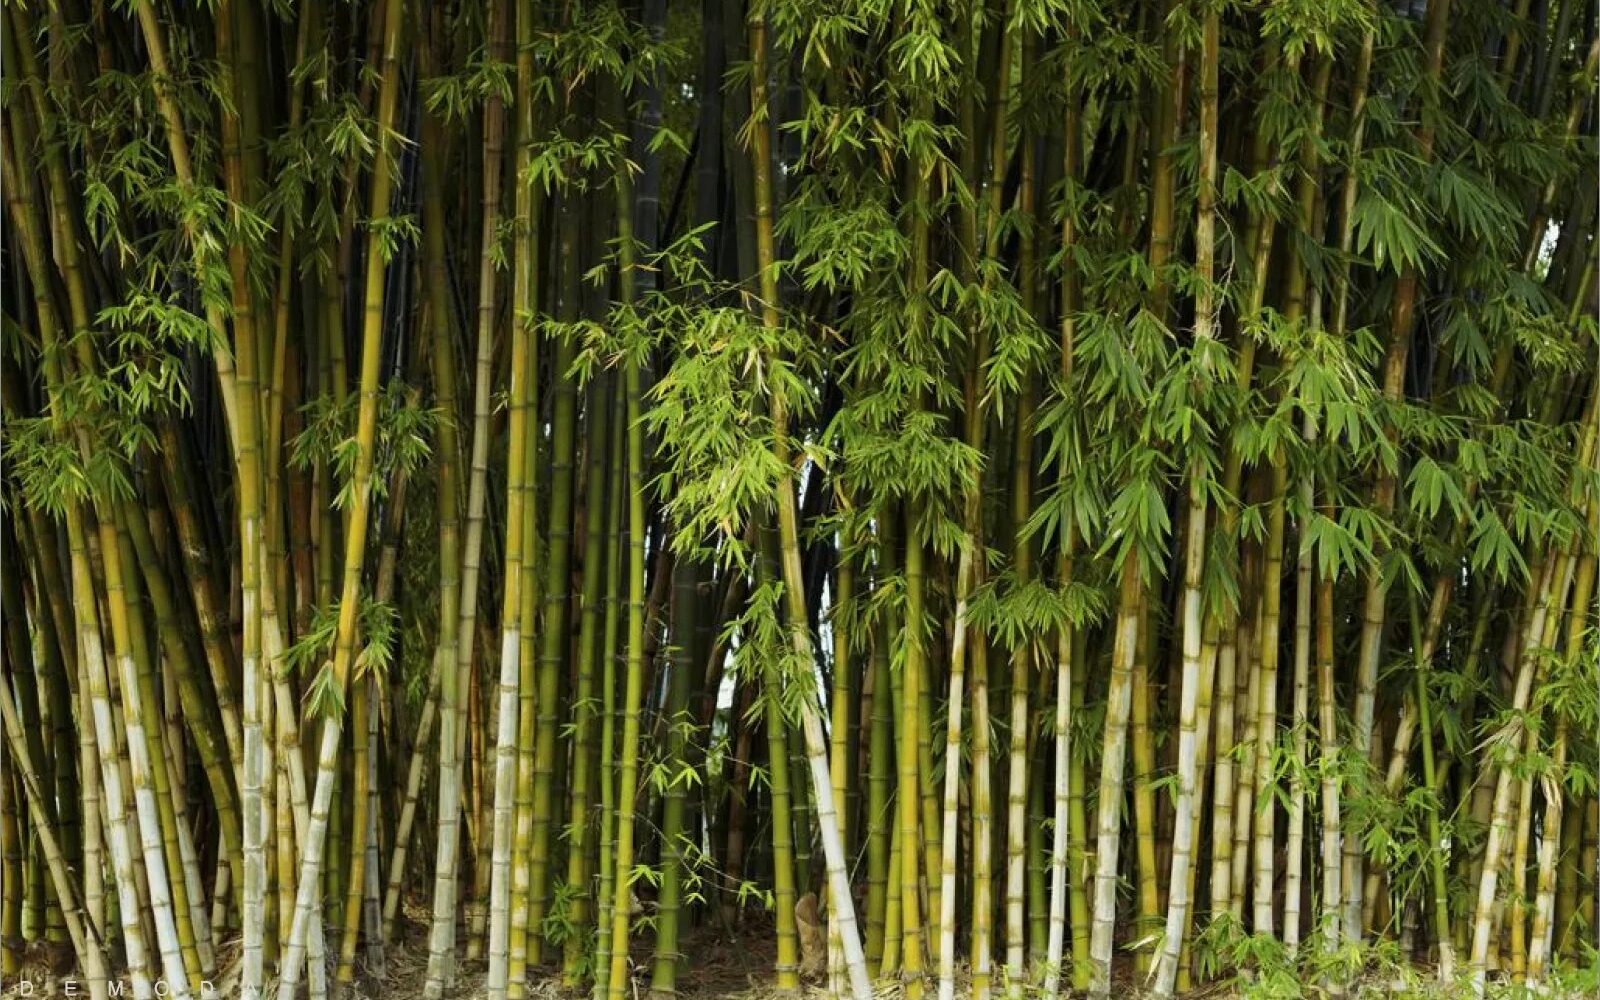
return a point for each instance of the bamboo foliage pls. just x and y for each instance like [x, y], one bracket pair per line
[723, 388]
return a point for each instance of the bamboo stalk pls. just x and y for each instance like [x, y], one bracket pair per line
[1119, 704]
[1195, 533]
[454, 685]
[675, 711]
[505, 904]
[611, 652]
[627, 785]
[359, 510]
[789, 547]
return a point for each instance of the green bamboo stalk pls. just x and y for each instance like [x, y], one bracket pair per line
[1440, 884]
[246, 420]
[627, 786]
[841, 727]
[894, 692]
[554, 639]
[140, 549]
[983, 818]
[596, 565]
[355, 871]
[913, 677]
[1078, 837]
[677, 718]
[1549, 846]
[523, 929]
[32, 904]
[880, 819]
[984, 216]
[524, 925]
[1266, 707]
[1247, 699]
[1572, 855]
[59, 658]
[1067, 637]
[1023, 785]
[11, 854]
[194, 933]
[1500, 824]
[203, 591]
[1144, 800]
[611, 653]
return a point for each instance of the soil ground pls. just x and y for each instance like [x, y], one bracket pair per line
[716, 965]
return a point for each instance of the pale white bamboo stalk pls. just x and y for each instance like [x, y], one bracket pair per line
[1119, 705]
[146, 808]
[307, 912]
[952, 779]
[505, 759]
[1500, 822]
[827, 815]
[509, 685]
[1188, 738]
[1055, 942]
[1166, 970]
[284, 714]
[1549, 848]
[198, 917]
[452, 731]
[94, 900]
[1294, 852]
[1329, 749]
[833, 852]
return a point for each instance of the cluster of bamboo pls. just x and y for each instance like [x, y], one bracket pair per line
[1145, 346]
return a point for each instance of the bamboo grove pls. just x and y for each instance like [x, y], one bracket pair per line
[1007, 496]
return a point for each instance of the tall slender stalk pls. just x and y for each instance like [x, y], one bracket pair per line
[788, 532]
[453, 726]
[627, 785]
[360, 507]
[517, 546]
[1119, 704]
[1183, 836]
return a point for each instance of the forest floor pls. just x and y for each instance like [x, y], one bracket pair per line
[716, 966]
